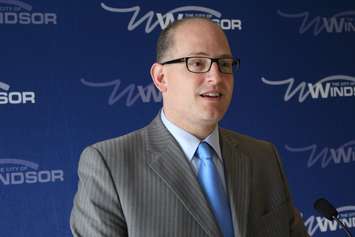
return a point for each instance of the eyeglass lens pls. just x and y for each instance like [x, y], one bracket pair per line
[196, 64]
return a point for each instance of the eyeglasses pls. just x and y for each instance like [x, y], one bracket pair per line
[203, 64]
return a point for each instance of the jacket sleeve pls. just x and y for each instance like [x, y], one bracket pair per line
[297, 228]
[96, 209]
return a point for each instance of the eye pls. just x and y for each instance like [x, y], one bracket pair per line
[225, 63]
[197, 63]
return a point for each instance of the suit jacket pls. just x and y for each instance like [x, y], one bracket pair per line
[140, 184]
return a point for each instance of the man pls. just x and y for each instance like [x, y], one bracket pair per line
[182, 175]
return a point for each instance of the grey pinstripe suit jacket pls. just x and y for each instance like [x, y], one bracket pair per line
[141, 184]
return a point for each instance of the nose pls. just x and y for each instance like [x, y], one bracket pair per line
[214, 76]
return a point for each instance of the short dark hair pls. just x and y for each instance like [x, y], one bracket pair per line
[166, 39]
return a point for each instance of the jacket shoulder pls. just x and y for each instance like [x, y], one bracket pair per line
[122, 146]
[245, 142]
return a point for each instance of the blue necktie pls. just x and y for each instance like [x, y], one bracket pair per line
[212, 186]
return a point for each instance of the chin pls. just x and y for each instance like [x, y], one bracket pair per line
[212, 118]
[215, 114]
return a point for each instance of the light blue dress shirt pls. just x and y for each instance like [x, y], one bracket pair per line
[189, 144]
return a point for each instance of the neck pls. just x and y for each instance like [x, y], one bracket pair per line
[201, 130]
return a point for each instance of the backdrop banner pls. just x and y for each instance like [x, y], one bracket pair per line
[73, 73]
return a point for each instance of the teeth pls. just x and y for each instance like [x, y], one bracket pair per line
[212, 94]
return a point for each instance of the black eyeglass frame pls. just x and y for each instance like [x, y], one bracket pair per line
[185, 59]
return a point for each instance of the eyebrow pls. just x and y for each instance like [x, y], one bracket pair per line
[207, 55]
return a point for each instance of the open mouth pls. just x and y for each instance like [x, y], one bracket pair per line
[211, 95]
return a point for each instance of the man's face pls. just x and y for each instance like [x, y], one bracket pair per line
[197, 99]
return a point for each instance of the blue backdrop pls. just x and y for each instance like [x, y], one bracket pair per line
[73, 73]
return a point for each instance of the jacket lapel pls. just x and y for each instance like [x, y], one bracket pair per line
[170, 164]
[238, 181]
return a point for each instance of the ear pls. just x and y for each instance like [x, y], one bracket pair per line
[157, 74]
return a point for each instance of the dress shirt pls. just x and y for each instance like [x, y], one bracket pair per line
[189, 144]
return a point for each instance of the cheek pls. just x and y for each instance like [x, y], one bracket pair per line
[175, 93]
[230, 84]
[183, 92]
[182, 87]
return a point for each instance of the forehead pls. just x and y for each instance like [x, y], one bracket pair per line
[199, 37]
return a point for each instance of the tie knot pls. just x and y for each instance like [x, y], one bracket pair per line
[204, 151]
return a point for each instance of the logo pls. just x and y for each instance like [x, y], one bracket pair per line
[132, 93]
[326, 156]
[17, 12]
[153, 19]
[15, 97]
[327, 87]
[315, 224]
[342, 22]
[16, 171]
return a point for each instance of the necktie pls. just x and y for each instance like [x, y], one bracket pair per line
[212, 186]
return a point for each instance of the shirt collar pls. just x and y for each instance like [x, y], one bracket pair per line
[189, 142]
